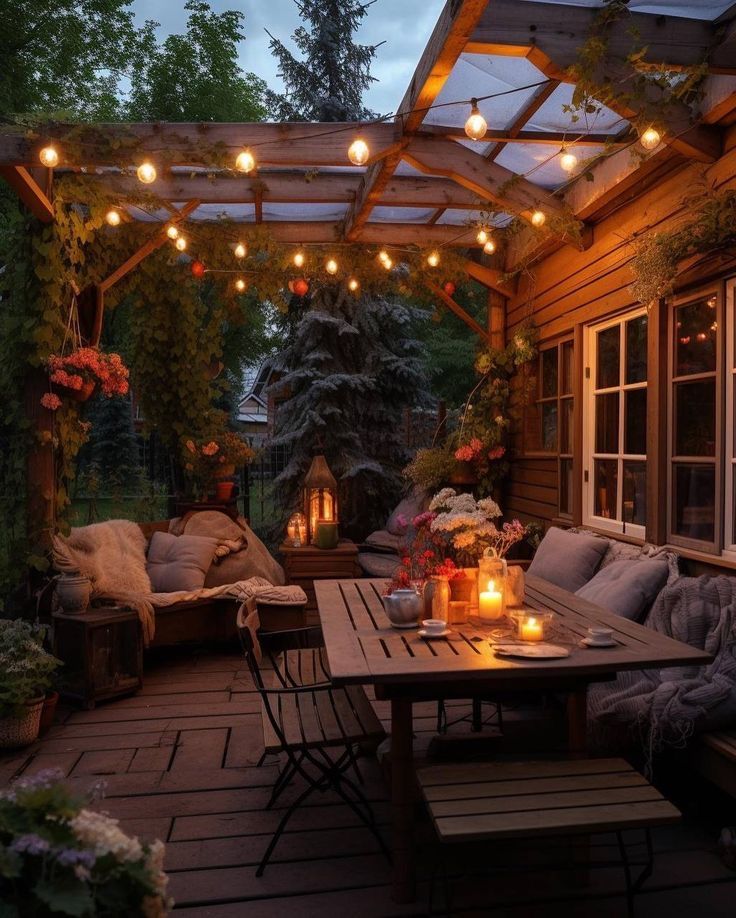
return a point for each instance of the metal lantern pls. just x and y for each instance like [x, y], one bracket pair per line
[320, 496]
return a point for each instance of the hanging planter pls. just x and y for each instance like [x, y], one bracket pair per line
[82, 394]
[463, 474]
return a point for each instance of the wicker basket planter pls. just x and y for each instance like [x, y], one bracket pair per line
[21, 729]
[76, 395]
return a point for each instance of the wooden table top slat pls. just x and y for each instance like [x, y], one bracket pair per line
[363, 648]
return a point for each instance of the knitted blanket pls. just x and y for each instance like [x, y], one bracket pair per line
[668, 706]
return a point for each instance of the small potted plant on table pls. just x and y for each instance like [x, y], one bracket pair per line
[210, 463]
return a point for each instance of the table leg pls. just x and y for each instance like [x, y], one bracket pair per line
[577, 722]
[402, 801]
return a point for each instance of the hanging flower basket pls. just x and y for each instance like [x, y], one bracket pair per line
[76, 395]
[463, 474]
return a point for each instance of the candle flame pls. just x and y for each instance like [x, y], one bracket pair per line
[531, 620]
[491, 586]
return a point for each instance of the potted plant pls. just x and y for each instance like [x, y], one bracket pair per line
[209, 461]
[78, 374]
[26, 671]
[60, 858]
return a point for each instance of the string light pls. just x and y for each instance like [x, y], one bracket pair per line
[482, 236]
[568, 161]
[476, 125]
[383, 256]
[245, 161]
[490, 247]
[112, 217]
[240, 250]
[650, 139]
[146, 173]
[240, 285]
[172, 232]
[388, 264]
[358, 152]
[49, 157]
[299, 259]
[181, 243]
[331, 266]
[433, 259]
[539, 218]
[353, 284]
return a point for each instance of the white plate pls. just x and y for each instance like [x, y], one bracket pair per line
[430, 635]
[534, 651]
[591, 643]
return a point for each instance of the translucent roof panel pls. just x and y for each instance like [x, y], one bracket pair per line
[241, 213]
[300, 212]
[551, 116]
[405, 168]
[691, 9]
[464, 217]
[476, 75]
[540, 163]
[401, 214]
[148, 216]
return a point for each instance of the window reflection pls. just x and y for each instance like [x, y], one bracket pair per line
[635, 493]
[695, 418]
[694, 499]
[696, 333]
[606, 483]
[636, 350]
[609, 344]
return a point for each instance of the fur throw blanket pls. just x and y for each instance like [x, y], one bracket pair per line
[113, 556]
[668, 706]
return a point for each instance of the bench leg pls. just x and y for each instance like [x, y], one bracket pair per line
[403, 888]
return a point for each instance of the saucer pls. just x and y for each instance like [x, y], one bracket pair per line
[429, 636]
[589, 642]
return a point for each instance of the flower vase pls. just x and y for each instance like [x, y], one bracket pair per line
[73, 592]
[441, 598]
[515, 588]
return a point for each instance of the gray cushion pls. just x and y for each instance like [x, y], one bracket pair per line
[179, 562]
[378, 565]
[412, 505]
[568, 559]
[627, 588]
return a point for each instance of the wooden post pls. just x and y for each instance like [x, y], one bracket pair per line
[496, 319]
[40, 471]
[656, 487]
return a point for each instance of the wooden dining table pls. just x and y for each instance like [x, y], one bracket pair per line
[363, 648]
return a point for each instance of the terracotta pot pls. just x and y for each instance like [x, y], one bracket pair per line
[76, 395]
[463, 474]
[73, 592]
[21, 729]
[47, 712]
[224, 491]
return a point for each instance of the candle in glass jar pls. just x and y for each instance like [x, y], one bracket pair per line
[531, 629]
[490, 602]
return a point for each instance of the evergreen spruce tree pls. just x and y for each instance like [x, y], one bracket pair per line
[112, 453]
[328, 81]
[349, 371]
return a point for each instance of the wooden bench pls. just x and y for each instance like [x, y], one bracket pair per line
[494, 801]
[715, 759]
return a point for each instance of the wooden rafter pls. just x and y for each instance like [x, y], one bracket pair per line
[29, 191]
[489, 277]
[456, 23]
[528, 111]
[457, 309]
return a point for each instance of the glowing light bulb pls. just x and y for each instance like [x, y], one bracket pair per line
[568, 161]
[482, 236]
[433, 259]
[538, 218]
[358, 152]
[112, 217]
[650, 139]
[240, 285]
[49, 157]
[245, 161]
[146, 173]
[172, 232]
[353, 284]
[331, 266]
[388, 264]
[240, 250]
[299, 259]
[476, 125]
[181, 243]
[383, 256]
[490, 247]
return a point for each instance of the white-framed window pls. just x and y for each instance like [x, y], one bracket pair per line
[615, 424]
[729, 528]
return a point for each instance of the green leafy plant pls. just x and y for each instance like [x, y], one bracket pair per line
[431, 467]
[26, 669]
[214, 457]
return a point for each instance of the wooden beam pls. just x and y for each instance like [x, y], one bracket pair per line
[489, 277]
[155, 242]
[458, 310]
[29, 191]
[508, 191]
[456, 23]
[533, 105]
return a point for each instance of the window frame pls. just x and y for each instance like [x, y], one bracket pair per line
[729, 426]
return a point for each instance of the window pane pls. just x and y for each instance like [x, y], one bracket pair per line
[608, 357]
[566, 425]
[636, 350]
[566, 486]
[694, 497]
[696, 338]
[606, 423]
[635, 432]
[549, 426]
[567, 369]
[549, 373]
[695, 418]
[606, 475]
[635, 493]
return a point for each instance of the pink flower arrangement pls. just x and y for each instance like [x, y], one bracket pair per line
[497, 452]
[51, 401]
[469, 451]
[87, 364]
[207, 459]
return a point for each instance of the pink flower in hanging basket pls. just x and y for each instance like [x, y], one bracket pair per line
[497, 453]
[51, 401]
[209, 449]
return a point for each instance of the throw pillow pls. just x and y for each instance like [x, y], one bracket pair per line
[179, 562]
[568, 559]
[627, 588]
[411, 506]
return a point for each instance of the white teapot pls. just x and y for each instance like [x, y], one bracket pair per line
[404, 608]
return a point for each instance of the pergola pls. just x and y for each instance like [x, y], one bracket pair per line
[426, 183]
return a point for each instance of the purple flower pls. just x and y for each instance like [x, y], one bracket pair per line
[30, 844]
[70, 857]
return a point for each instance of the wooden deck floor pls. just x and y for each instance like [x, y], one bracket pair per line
[179, 763]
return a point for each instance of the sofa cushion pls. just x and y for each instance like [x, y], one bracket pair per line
[627, 588]
[412, 505]
[382, 540]
[179, 562]
[567, 559]
[378, 565]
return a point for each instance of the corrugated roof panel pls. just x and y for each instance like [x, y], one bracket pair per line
[401, 214]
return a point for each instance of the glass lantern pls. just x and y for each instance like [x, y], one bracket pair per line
[531, 625]
[492, 578]
[296, 530]
[320, 496]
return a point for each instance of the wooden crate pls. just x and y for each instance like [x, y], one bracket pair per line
[308, 563]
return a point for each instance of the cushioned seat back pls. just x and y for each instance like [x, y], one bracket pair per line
[568, 559]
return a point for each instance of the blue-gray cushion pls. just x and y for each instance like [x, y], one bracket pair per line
[568, 559]
[627, 588]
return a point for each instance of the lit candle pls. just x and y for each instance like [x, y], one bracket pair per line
[490, 603]
[531, 630]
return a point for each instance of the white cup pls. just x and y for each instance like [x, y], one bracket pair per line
[598, 635]
[434, 625]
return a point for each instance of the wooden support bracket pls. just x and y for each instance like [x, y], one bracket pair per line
[29, 191]
[458, 310]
